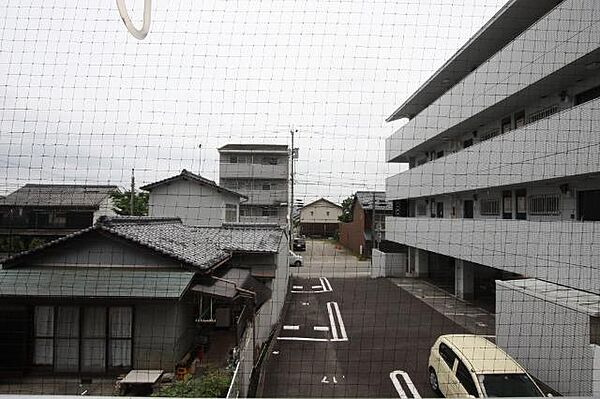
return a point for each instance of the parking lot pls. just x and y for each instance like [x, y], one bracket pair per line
[353, 339]
[323, 258]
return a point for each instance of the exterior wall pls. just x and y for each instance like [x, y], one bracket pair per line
[563, 145]
[195, 204]
[94, 250]
[563, 252]
[352, 234]
[551, 43]
[255, 214]
[252, 170]
[320, 212]
[551, 341]
[388, 264]
[105, 209]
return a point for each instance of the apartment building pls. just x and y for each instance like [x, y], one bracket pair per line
[501, 198]
[259, 172]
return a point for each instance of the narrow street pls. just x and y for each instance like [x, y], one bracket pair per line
[352, 336]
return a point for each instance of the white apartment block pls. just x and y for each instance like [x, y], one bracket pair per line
[261, 173]
[503, 148]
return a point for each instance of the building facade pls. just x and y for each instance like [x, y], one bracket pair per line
[261, 173]
[503, 151]
[320, 218]
[195, 200]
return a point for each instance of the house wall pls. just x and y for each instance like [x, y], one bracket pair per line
[352, 233]
[95, 250]
[195, 204]
[104, 209]
[320, 212]
[550, 341]
[562, 36]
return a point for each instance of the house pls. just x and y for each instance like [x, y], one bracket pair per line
[38, 213]
[138, 293]
[356, 235]
[260, 172]
[500, 201]
[320, 218]
[197, 201]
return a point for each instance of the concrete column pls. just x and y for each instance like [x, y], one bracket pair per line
[464, 279]
[421, 263]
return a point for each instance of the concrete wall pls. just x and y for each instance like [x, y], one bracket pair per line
[563, 145]
[320, 212]
[562, 36]
[195, 204]
[388, 264]
[564, 252]
[551, 341]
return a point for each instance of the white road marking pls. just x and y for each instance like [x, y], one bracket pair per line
[314, 287]
[324, 380]
[302, 339]
[291, 327]
[276, 352]
[413, 390]
[321, 328]
[333, 307]
[332, 321]
[297, 287]
[305, 303]
[328, 284]
[334, 380]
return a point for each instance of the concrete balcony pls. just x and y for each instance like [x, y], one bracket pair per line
[565, 35]
[562, 252]
[563, 145]
[253, 171]
[265, 197]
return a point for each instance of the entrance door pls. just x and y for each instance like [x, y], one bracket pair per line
[468, 209]
[15, 331]
[588, 205]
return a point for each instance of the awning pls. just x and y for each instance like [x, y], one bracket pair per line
[228, 290]
[89, 283]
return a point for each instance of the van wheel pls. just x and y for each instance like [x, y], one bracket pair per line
[433, 382]
[298, 263]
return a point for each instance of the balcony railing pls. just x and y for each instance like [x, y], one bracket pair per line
[253, 171]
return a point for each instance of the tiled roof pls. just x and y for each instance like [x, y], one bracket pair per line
[321, 200]
[198, 247]
[187, 175]
[366, 198]
[59, 195]
[255, 147]
[56, 282]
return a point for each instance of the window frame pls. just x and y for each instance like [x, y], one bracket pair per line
[443, 347]
[463, 372]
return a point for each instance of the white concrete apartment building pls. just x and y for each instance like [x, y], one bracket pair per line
[261, 173]
[502, 196]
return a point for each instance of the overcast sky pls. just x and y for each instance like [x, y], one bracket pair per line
[82, 101]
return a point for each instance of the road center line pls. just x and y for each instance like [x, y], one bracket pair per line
[411, 387]
[291, 327]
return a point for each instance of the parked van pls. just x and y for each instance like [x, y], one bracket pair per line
[463, 365]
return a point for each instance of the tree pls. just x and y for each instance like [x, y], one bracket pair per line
[122, 203]
[346, 215]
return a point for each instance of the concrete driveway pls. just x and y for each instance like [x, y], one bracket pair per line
[323, 258]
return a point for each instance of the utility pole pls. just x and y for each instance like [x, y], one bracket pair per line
[373, 226]
[199, 158]
[132, 194]
[291, 204]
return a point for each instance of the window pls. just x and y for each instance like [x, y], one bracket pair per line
[490, 134]
[269, 161]
[269, 212]
[432, 208]
[327, 213]
[440, 209]
[440, 154]
[312, 213]
[244, 212]
[43, 352]
[542, 114]
[506, 125]
[467, 143]
[447, 354]
[595, 330]
[120, 332]
[521, 204]
[93, 341]
[489, 207]
[266, 186]
[66, 339]
[421, 209]
[519, 119]
[587, 95]
[231, 213]
[233, 159]
[206, 310]
[507, 207]
[466, 380]
[548, 204]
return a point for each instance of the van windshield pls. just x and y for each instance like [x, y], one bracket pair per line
[508, 385]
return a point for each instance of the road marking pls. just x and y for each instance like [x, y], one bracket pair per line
[324, 380]
[305, 303]
[314, 287]
[333, 307]
[332, 321]
[291, 327]
[325, 286]
[297, 287]
[411, 387]
[341, 322]
[321, 328]
[328, 284]
[302, 339]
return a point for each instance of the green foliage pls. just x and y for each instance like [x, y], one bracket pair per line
[212, 384]
[122, 203]
[12, 244]
[346, 215]
[36, 242]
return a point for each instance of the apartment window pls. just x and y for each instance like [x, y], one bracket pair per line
[595, 330]
[269, 212]
[587, 95]
[440, 209]
[467, 143]
[432, 208]
[440, 154]
[506, 125]
[521, 197]
[548, 204]
[233, 159]
[519, 119]
[542, 114]
[489, 207]
[230, 213]
[421, 209]
[269, 161]
[507, 206]
[266, 186]
[490, 134]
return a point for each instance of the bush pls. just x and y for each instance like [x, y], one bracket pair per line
[212, 384]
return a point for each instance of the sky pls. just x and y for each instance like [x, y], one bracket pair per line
[82, 101]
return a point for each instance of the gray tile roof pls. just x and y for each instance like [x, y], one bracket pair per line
[198, 247]
[59, 195]
[89, 283]
[187, 175]
[366, 198]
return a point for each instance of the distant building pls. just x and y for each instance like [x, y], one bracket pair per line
[357, 235]
[37, 213]
[260, 172]
[503, 149]
[139, 293]
[320, 218]
[197, 201]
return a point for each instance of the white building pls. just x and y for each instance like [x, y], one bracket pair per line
[195, 200]
[320, 218]
[503, 148]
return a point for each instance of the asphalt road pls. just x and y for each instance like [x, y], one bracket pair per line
[324, 258]
[387, 330]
